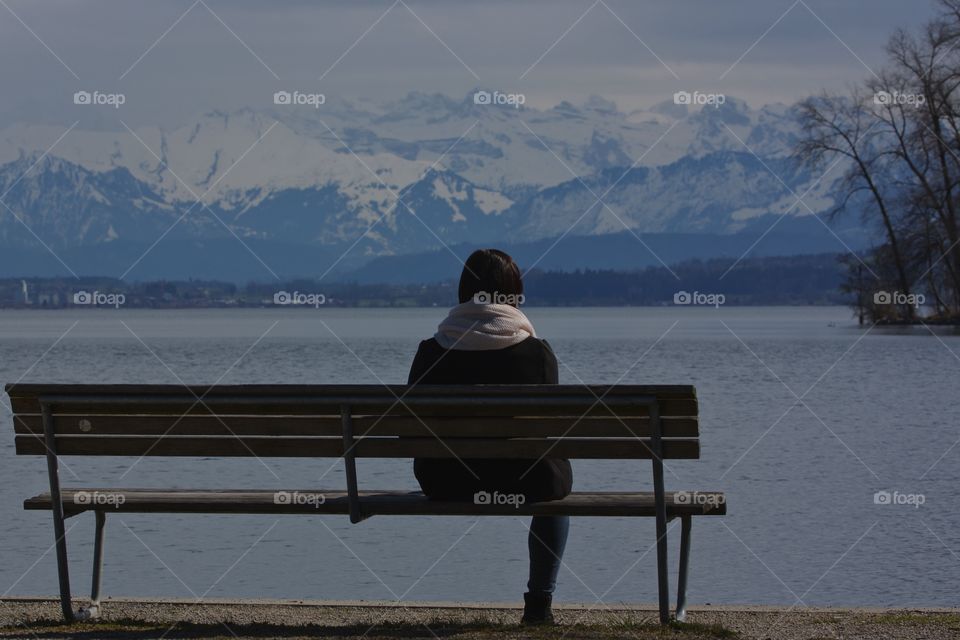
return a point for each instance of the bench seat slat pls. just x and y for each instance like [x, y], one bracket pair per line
[374, 502]
[542, 426]
[304, 447]
[28, 390]
[253, 405]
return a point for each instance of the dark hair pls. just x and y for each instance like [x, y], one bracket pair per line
[492, 272]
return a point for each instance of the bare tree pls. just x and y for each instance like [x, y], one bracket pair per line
[898, 135]
[843, 128]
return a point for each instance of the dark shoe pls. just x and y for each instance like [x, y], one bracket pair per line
[536, 608]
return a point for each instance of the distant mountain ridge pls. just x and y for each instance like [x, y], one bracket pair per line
[321, 181]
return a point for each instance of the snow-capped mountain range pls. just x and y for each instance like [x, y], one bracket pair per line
[404, 176]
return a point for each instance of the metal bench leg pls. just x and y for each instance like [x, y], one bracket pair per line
[663, 580]
[63, 570]
[686, 523]
[59, 531]
[93, 611]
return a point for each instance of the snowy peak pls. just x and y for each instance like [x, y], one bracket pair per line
[601, 105]
[406, 175]
[63, 204]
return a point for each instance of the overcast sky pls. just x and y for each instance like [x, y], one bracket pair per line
[176, 58]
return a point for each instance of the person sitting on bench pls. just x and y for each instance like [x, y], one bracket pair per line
[486, 339]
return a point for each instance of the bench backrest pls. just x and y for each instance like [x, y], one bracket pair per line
[363, 421]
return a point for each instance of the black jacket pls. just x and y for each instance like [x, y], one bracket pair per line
[529, 362]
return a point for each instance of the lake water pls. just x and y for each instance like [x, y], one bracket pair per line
[880, 412]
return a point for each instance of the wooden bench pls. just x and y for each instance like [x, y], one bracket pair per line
[360, 421]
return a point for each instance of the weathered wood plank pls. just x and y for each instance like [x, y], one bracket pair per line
[663, 391]
[327, 399]
[314, 501]
[460, 426]
[273, 446]
[307, 406]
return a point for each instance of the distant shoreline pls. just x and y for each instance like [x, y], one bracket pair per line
[789, 281]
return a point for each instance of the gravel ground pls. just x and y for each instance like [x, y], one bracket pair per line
[141, 618]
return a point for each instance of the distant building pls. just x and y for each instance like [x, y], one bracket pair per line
[48, 299]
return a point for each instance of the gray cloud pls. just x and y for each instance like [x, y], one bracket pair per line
[200, 64]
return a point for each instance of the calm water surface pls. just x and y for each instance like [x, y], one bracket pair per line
[877, 411]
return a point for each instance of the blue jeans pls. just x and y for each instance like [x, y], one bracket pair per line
[547, 540]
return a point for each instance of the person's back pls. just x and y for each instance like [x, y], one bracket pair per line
[528, 362]
[482, 341]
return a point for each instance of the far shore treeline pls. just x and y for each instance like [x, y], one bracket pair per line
[796, 280]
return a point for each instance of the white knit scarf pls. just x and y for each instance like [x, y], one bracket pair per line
[473, 326]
